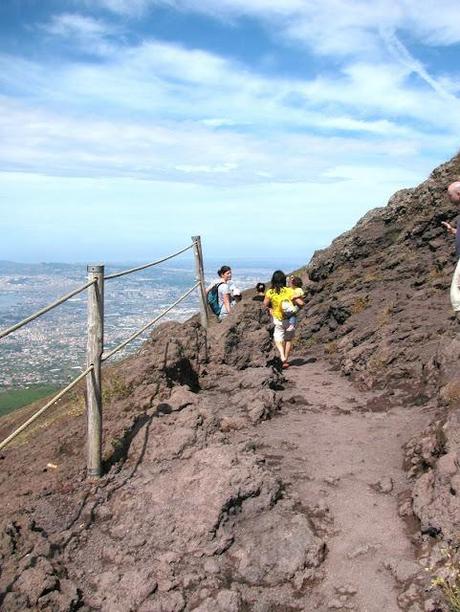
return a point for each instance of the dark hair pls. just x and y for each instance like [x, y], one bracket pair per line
[296, 281]
[260, 287]
[278, 280]
[222, 270]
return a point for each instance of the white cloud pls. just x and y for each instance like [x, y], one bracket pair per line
[190, 168]
[329, 27]
[89, 34]
[133, 8]
[404, 57]
[218, 122]
[154, 133]
[67, 24]
[164, 80]
[435, 23]
[158, 110]
[337, 27]
[42, 141]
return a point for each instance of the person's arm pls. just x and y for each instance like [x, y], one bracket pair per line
[268, 305]
[298, 301]
[226, 304]
[450, 228]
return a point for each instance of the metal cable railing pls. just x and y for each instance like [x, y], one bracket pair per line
[107, 356]
[149, 265]
[95, 346]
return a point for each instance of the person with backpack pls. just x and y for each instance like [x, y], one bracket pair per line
[218, 293]
[275, 298]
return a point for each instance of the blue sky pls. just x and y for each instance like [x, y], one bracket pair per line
[266, 126]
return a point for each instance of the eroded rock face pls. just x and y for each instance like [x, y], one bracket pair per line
[277, 548]
[183, 511]
[30, 578]
[379, 295]
[169, 521]
[435, 460]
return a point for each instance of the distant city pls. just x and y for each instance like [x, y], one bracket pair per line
[51, 349]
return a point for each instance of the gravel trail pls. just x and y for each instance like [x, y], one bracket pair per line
[340, 451]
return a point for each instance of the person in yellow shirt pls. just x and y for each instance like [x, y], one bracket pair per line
[274, 299]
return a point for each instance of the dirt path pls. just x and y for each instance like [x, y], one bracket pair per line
[145, 537]
[343, 459]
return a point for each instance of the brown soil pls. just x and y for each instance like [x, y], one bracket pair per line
[222, 508]
[340, 454]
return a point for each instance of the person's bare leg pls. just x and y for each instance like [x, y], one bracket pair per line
[280, 346]
[287, 349]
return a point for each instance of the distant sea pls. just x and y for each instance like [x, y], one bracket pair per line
[51, 349]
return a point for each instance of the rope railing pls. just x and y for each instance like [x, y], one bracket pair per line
[95, 346]
[145, 327]
[35, 416]
[149, 265]
[43, 311]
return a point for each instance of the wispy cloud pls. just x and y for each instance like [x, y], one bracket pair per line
[329, 27]
[134, 8]
[161, 110]
[138, 115]
[68, 24]
[83, 32]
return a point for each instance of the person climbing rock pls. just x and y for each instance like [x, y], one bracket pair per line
[453, 192]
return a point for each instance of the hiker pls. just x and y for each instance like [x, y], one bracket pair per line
[218, 293]
[236, 295]
[453, 191]
[274, 299]
[260, 293]
[290, 309]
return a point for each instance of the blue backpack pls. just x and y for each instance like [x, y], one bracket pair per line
[213, 299]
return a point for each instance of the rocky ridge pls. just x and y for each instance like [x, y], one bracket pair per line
[191, 513]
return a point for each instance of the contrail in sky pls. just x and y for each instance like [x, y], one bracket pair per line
[400, 52]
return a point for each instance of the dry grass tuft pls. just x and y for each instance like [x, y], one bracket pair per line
[360, 304]
[446, 578]
[331, 348]
[113, 389]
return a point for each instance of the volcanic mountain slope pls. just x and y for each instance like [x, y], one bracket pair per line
[380, 294]
[195, 511]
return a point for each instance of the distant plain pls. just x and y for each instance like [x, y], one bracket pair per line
[50, 351]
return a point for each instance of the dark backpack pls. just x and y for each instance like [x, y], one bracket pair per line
[213, 299]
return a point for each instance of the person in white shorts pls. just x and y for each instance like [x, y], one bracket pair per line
[453, 191]
[274, 298]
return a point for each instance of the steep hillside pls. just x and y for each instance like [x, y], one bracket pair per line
[380, 294]
[210, 498]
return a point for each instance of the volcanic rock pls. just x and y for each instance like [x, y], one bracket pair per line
[190, 513]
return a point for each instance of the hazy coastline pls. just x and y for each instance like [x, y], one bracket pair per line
[50, 350]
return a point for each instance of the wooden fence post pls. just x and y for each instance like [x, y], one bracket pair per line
[199, 276]
[94, 352]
